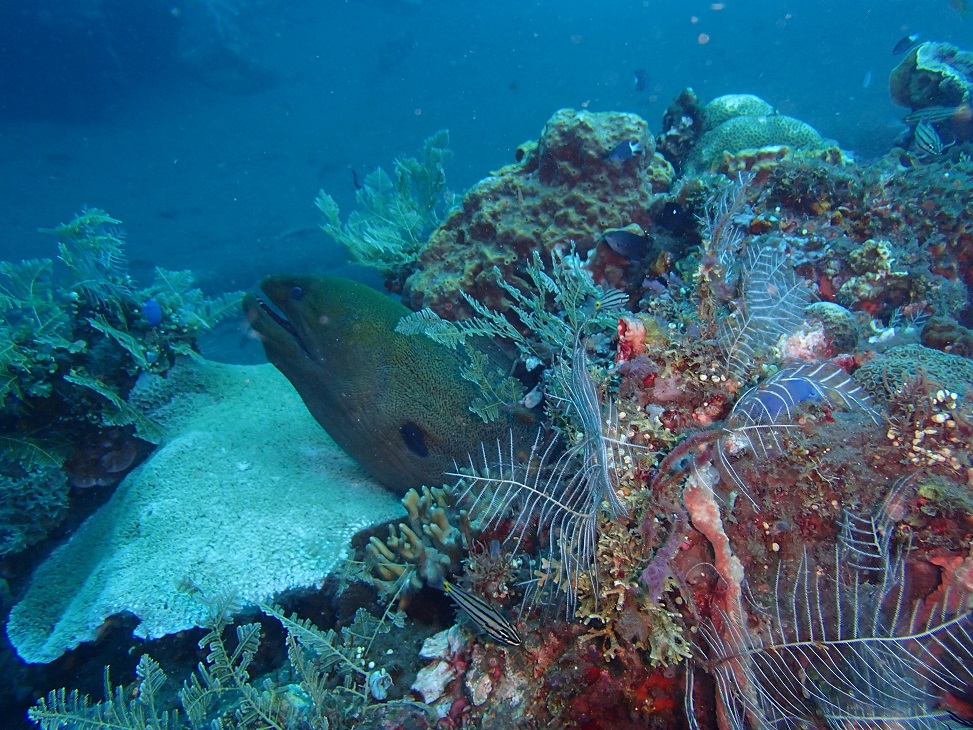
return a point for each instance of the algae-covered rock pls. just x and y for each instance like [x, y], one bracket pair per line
[569, 188]
[934, 74]
[840, 325]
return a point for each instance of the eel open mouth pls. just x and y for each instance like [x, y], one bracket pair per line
[275, 313]
[266, 305]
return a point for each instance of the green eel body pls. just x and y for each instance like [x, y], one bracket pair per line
[395, 403]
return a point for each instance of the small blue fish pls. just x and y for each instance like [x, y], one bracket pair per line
[629, 242]
[152, 311]
[625, 150]
[494, 623]
[641, 80]
[867, 79]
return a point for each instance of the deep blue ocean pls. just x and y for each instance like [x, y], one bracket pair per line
[208, 127]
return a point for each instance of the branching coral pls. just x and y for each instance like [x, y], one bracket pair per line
[426, 550]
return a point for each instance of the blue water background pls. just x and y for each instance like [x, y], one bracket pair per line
[104, 112]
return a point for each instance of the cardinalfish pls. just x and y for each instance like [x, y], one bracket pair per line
[927, 140]
[497, 626]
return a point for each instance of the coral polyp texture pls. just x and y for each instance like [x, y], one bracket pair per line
[743, 131]
[750, 500]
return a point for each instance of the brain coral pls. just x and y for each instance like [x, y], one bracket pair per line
[734, 105]
[563, 191]
[933, 74]
[840, 325]
[887, 372]
[753, 132]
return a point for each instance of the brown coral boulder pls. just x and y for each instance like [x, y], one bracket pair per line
[567, 190]
[933, 74]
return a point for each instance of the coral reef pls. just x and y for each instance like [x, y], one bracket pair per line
[743, 132]
[565, 190]
[72, 346]
[933, 74]
[740, 496]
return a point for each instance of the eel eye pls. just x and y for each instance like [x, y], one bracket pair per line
[297, 294]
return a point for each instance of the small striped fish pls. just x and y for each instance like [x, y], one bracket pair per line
[494, 623]
[927, 140]
[936, 114]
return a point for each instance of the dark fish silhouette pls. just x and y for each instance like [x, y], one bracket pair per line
[625, 150]
[906, 44]
[641, 80]
[629, 242]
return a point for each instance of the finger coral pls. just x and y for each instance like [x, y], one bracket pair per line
[426, 550]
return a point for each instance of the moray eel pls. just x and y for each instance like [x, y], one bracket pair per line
[397, 404]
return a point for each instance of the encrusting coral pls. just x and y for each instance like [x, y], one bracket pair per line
[933, 74]
[567, 188]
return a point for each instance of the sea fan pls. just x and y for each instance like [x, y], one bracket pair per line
[766, 411]
[771, 304]
[554, 488]
[846, 647]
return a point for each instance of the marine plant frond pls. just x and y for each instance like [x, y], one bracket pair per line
[91, 246]
[326, 645]
[498, 390]
[126, 341]
[394, 218]
[32, 453]
[27, 298]
[214, 311]
[61, 709]
[766, 411]
[847, 647]
[771, 305]
[117, 412]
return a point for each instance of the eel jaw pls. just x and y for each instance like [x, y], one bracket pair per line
[261, 308]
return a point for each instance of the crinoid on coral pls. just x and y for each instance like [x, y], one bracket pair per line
[770, 306]
[847, 643]
[560, 305]
[556, 489]
[766, 411]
